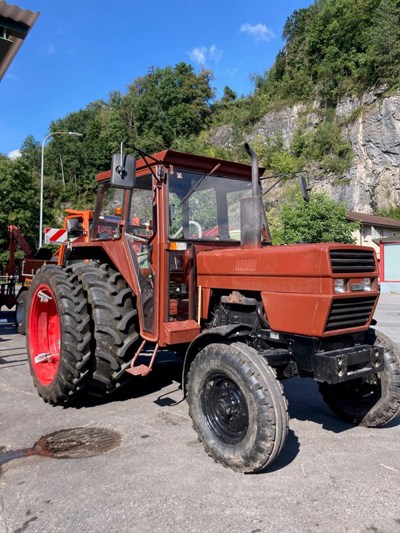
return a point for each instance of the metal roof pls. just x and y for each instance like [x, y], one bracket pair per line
[192, 162]
[15, 24]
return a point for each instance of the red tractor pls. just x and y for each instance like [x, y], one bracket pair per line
[187, 264]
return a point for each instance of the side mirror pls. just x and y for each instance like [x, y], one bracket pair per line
[123, 171]
[305, 188]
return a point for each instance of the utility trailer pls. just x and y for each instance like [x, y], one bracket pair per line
[15, 282]
[188, 264]
[77, 224]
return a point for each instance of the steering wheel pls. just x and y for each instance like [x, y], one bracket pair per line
[194, 223]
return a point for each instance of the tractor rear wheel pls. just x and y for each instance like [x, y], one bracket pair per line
[237, 406]
[114, 316]
[373, 401]
[58, 335]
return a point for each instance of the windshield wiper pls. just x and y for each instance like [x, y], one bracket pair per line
[198, 183]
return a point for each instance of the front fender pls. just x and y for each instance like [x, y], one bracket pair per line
[219, 334]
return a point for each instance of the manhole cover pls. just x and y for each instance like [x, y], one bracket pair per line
[78, 442]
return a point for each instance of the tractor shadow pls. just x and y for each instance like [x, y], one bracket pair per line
[167, 370]
[12, 345]
[306, 403]
[7, 324]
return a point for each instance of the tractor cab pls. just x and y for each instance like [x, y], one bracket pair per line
[152, 217]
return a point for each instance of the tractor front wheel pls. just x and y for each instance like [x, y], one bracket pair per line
[237, 406]
[58, 335]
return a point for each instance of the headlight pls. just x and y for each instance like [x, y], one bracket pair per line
[340, 285]
[367, 284]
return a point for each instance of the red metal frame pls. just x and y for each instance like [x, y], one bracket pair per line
[382, 261]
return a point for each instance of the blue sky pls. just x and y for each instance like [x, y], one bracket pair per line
[80, 51]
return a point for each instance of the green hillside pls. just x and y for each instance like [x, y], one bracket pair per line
[334, 47]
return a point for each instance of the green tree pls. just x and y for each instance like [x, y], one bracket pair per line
[19, 201]
[31, 153]
[334, 47]
[384, 48]
[228, 96]
[71, 163]
[319, 220]
[390, 212]
[169, 103]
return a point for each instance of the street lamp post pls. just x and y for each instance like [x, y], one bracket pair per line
[74, 133]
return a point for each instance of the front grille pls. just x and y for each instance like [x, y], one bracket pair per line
[349, 261]
[348, 313]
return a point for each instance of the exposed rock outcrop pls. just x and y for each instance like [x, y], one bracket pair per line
[373, 181]
[371, 124]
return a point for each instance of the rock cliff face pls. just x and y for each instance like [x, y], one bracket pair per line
[373, 181]
[372, 125]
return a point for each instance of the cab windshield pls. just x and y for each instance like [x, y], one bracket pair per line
[205, 207]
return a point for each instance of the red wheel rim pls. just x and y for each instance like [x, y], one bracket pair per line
[44, 334]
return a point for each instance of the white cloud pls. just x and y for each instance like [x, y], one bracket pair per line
[11, 77]
[202, 54]
[215, 53]
[14, 154]
[198, 55]
[259, 31]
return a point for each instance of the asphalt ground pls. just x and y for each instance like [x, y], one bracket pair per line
[330, 476]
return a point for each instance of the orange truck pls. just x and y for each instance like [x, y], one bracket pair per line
[188, 264]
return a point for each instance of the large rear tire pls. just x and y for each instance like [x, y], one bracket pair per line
[114, 315]
[237, 406]
[58, 335]
[372, 401]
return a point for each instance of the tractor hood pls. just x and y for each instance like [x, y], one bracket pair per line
[299, 281]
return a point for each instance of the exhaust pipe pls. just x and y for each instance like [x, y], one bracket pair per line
[251, 214]
[254, 170]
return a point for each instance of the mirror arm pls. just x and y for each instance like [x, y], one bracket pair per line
[146, 156]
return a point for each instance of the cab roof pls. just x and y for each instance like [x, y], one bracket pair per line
[186, 161]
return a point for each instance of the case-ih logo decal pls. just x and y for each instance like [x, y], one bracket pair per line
[55, 236]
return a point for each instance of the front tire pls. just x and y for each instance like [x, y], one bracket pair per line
[237, 406]
[58, 335]
[373, 401]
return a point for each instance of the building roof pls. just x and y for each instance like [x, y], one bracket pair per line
[374, 220]
[15, 24]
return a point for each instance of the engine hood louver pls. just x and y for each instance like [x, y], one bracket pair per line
[352, 261]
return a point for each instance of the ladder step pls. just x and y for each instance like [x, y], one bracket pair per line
[140, 370]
